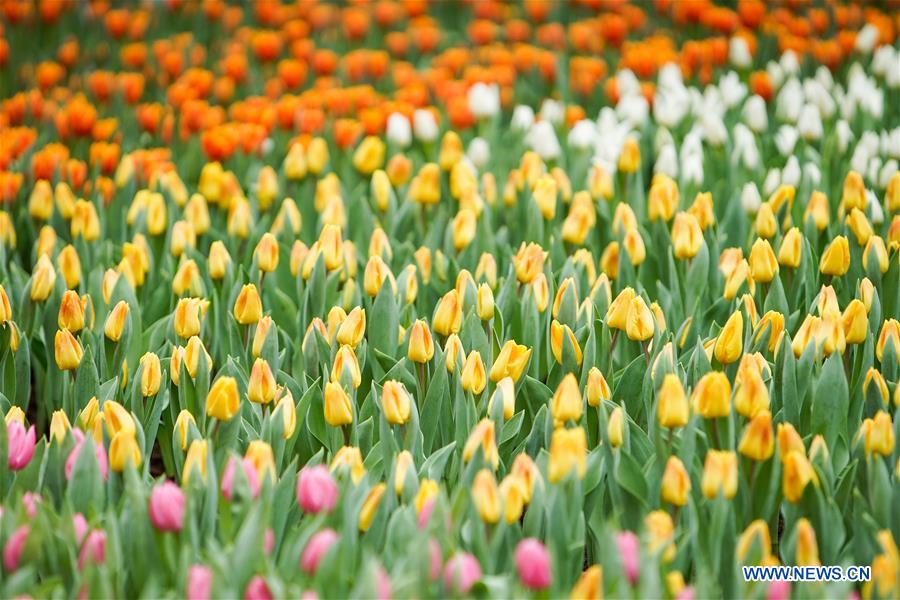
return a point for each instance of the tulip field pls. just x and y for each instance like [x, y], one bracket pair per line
[450, 299]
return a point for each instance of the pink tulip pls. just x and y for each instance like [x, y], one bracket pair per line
[533, 564]
[12, 551]
[199, 583]
[269, 540]
[686, 593]
[461, 572]
[382, 584]
[167, 507]
[94, 549]
[437, 560]
[629, 554]
[80, 524]
[316, 490]
[316, 549]
[102, 460]
[249, 472]
[779, 590]
[31, 500]
[309, 595]
[257, 589]
[20, 445]
[425, 513]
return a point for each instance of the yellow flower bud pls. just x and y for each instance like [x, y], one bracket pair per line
[854, 193]
[195, 461]
[878, 434]
[597, 387]
[890, 330]
[124, 449]
[473, 377]
[568, 452]
[859, 225]
[428, 490]
[589, 585]
[557, 333]
[261, 387]
[634, 245]
[196, 212]
[71, 312]
[615, 427]
[676, 483]
[370, 506]
[755, 537]
[223, 401]
[876, 251]
[425, 187]
[353, 328]
[773, 322]
[672, 408]
[70, 266]
[687, 237]
[836, 258]
[751, 394]
[260, 454]
[395, 402]
[630, 157]
[797, 472]
[807, 553]
[506, 394]
[346, 359]
[448, 315]
[765, 224]
[151, 374]
[712, 395]
[873, 377]
[369, 155]
[218, 261]
[702, 209]
[248, 306]
[183, 424]
[266, 253]
[758, 441]
[720, 474]
[485, 302]
[68, 350]
[529, 262]
[338, 408]
[855, 322]
[40, 202]
[402, 465]
[730, 342]
[486, 496]
[763, 265]
[85, 222]
[511, 361]
[421, 344]
[663, 198]
[115, 321]
[791, 249]
[43, 279]
[619, 312]
[566, 403]
[482, 437]
[639, 325]
[512, 493]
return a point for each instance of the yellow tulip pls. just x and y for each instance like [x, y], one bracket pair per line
[223, 401]
[124, 449]
[395, 402]
[720, 474]
[758, 441]
[67, 350]
[261, 387]
[836, 258]
[566, 403]
[712, 395]
[568, 452]
[676, 483]
[730, 342]
[248, 306]
[370, 506]
[486, 496]
[672, 408]
[338, 408]
[473, 377]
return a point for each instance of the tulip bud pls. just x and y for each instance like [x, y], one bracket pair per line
[875, 252]
[765, 224]
[720, 474]
[807, 553]
[473, 377]
[854, 192]
[345, 360]
[151, 374]
[68, 350]
[448, 315]
[663, 198]
[672, 408]
[836, 258]
[758, 442]
[421, 344]
[511, 361]
[529, 262]
[890, 332]
[639, 325]
[71, 312]
[486, 496]
[248, 306]
[115, 321]
[482, 437]
[218, 260]
[124, 449]
[266, 253]
[568, 452]
[557, 334]
[85, 222]
[687, 237]
[755, 537]
[69, 265]
[183, 424]
[797, 472]
[485, 302]
[730, 342]
[855, 322]
[878, 434]
[195, 461]
[353, 328]
[223, 401]
[261, 388]
[43, 279]
[597, 387]
[676, 483]
[615, 428]
[338, 408]
[513, 494]
[566, 403]
[589, 585]
[712, 395]
[395, 402]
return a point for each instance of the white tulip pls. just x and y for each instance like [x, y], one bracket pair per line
[582, 134]
[786, 139]
[871, 173]
[542, 139]
[732, 89]
[399, 131]
[479, 152]
[750, 198]
[484, 100]
[522, 117]
[667, 161]
[739, 53]
[633, 109]
[844, 135]
[692, 169]
[887, 171]
[790, 63]
[790, 174]
[809, 125]
[789, 101]
[812, 174]
[553, 111]
[876, 213]
[772, 181]
[866, 38]
[755, 114]
[424, 125]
